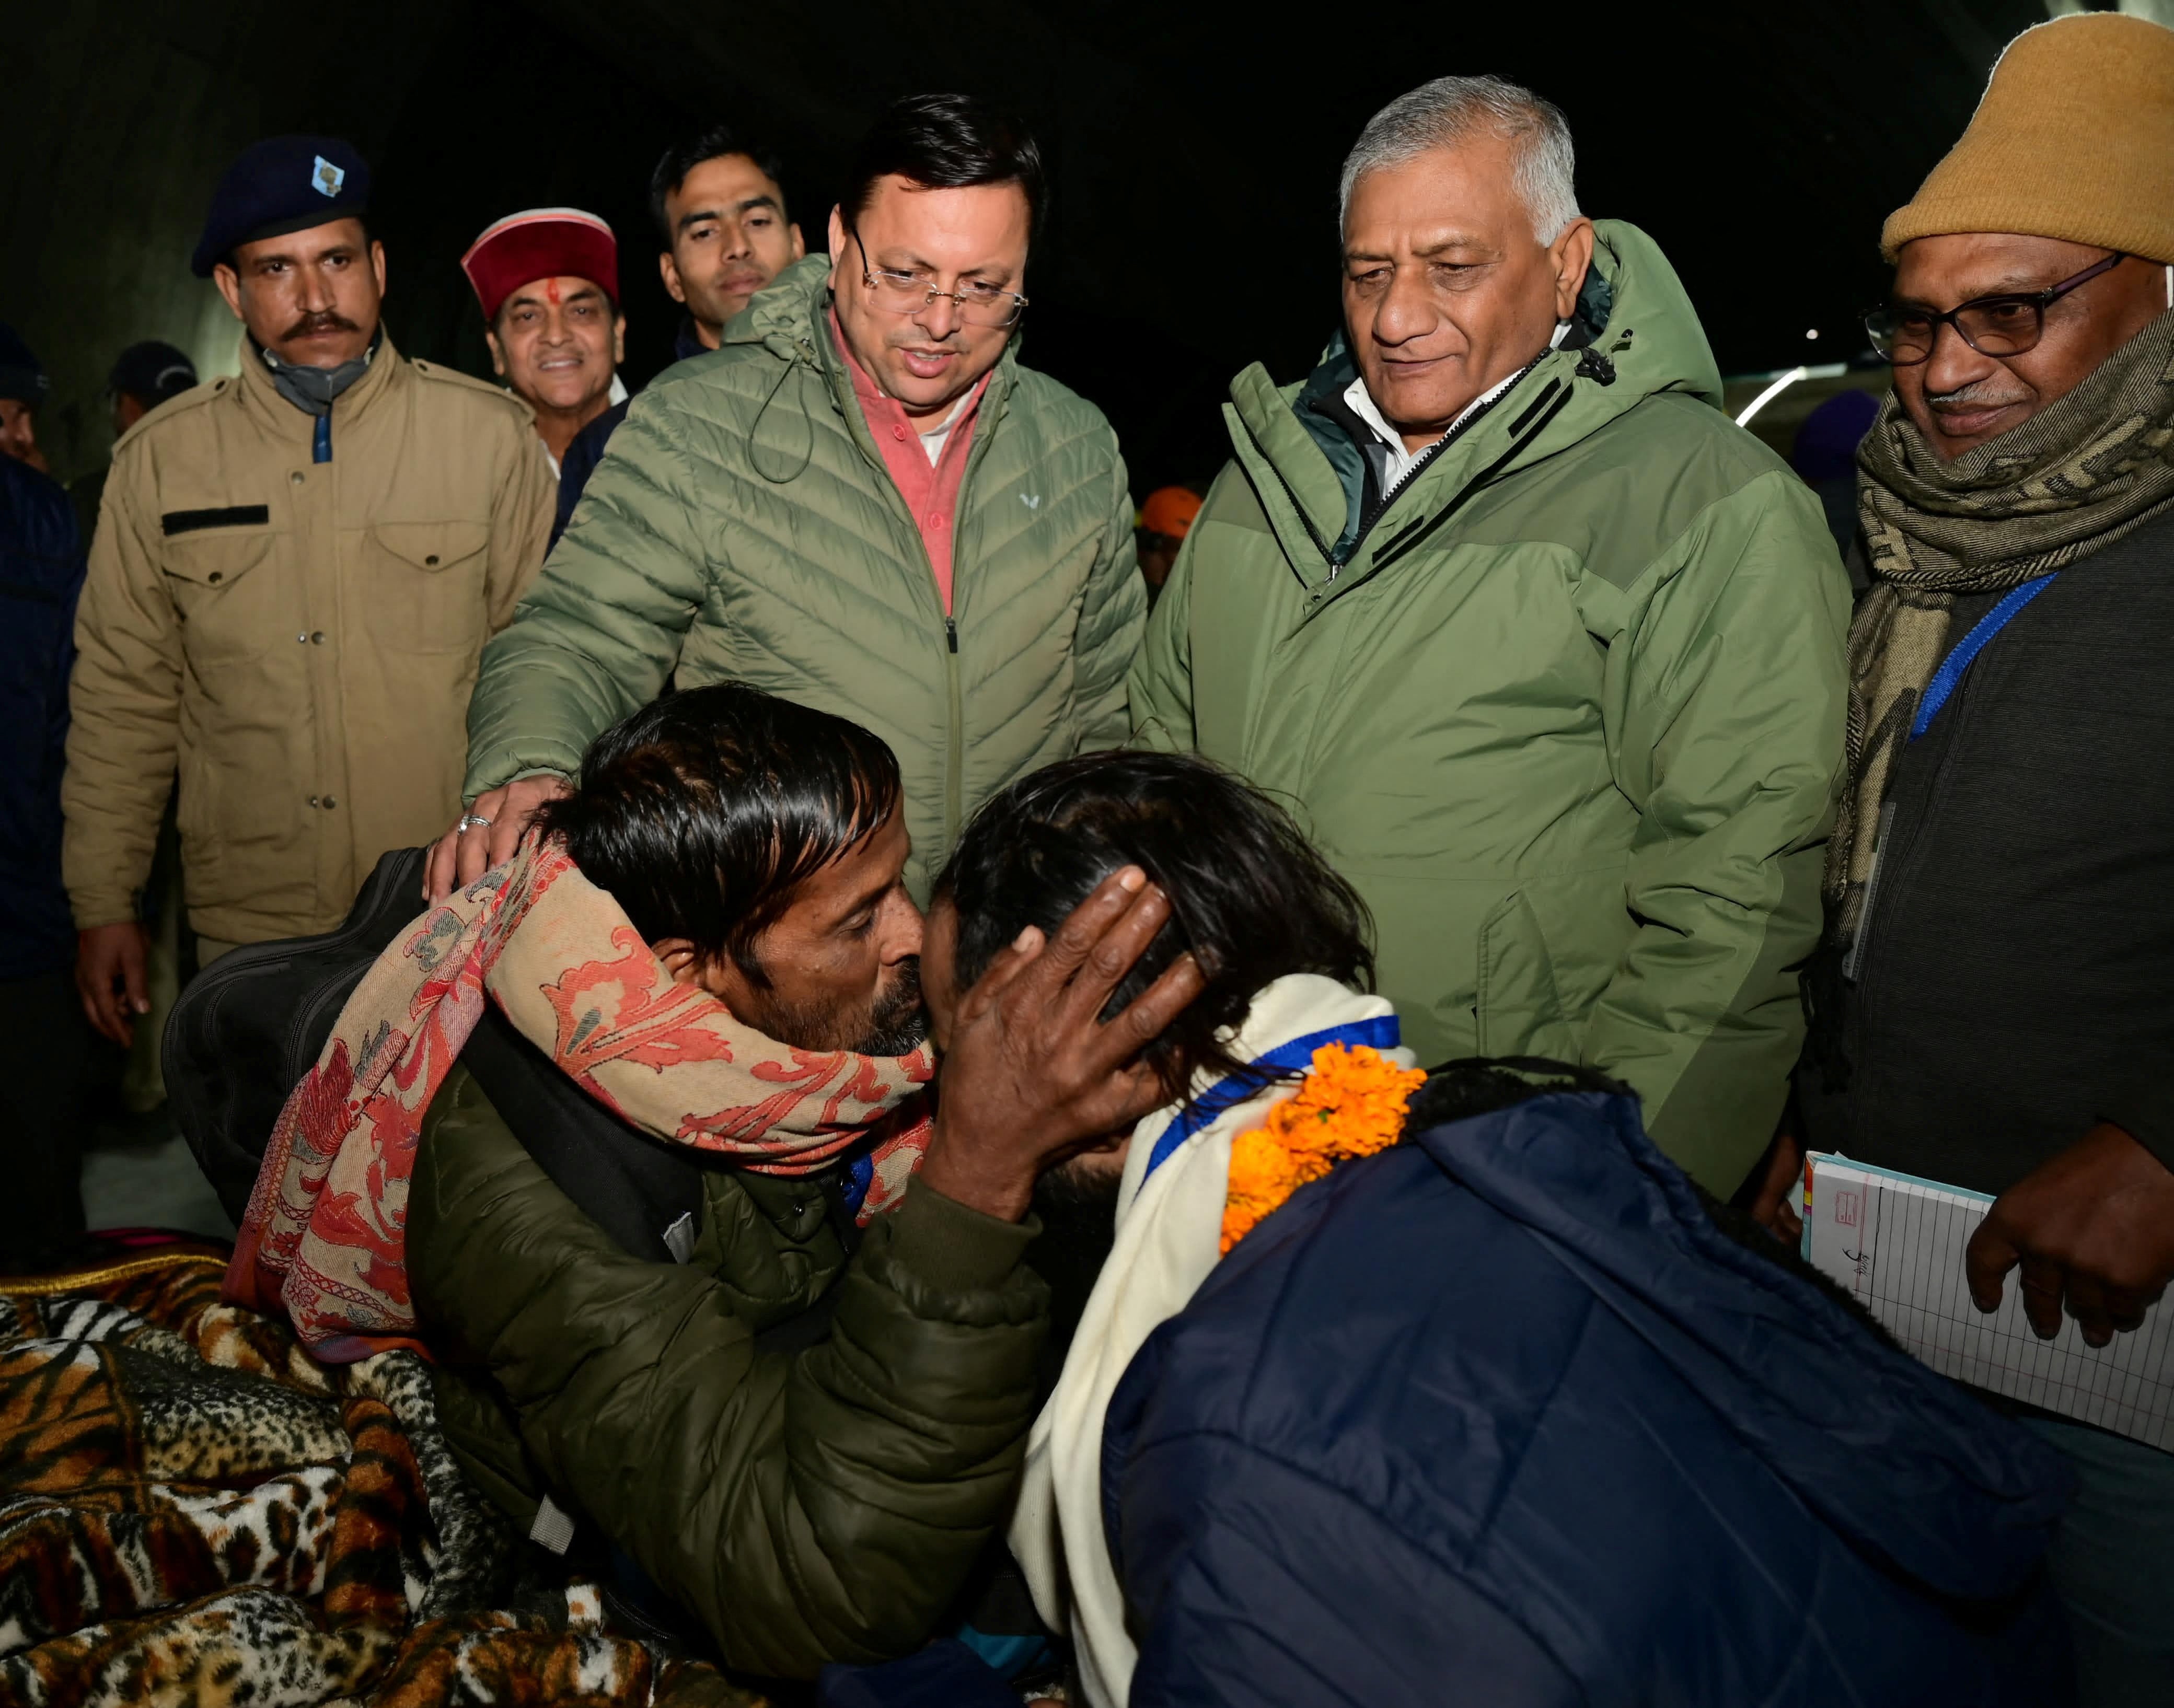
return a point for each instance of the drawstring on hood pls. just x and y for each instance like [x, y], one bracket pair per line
[796, 355]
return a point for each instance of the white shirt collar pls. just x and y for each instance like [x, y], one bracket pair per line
[932, 438]
[1401, 462]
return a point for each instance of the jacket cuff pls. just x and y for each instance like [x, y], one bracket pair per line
[2145, 1109]
[468, 799]
[91, 911]
[954, 1249]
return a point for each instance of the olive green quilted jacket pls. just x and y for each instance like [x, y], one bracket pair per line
[826, 1504]
[1567, 710]
[742, 526]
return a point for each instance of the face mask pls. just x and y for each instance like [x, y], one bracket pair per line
[311, 390]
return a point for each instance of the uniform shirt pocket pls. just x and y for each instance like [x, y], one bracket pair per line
[229, 604]
[422, 584]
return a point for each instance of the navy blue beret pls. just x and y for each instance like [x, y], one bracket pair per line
[22, 374]
[280, 185]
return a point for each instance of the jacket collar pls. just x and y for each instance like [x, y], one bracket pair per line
[261, 395]
[1299, 457]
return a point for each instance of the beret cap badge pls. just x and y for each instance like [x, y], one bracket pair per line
[280, 185]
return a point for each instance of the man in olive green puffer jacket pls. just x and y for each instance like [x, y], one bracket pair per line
[1547, 650]
[862, 501]
[819, 1507]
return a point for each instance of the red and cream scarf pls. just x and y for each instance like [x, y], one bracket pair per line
[325, 1234]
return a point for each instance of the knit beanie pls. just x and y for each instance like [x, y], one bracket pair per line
[2073, 139]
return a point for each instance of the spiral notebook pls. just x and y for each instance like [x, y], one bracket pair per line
[1896, 1241]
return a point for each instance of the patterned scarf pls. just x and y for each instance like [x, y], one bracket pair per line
[325, 1235]
[2078, 475]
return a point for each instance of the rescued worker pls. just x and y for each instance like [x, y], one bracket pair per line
[783, 1362]
[863, 501]
[1996, 1009]
[547, 281]
[1338, 1430]
[722, 234]
[295, 572]
[1547, 651]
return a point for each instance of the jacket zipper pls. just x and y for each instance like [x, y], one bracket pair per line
[955, 753]
[955, 746]
[1381, 503]
[1547, 406]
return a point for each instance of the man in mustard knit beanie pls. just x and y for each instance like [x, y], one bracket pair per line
[1996, 1004]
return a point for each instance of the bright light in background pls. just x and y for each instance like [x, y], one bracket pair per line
[1813, 333]
[1770, 394]
[2158, 11]
[1826, 371]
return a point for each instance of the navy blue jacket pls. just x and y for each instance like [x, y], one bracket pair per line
[41, 563]
[1499, 1417]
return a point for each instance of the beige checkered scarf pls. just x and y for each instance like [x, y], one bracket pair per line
[2078, 475]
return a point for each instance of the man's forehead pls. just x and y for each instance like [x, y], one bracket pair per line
[300, 245]
[564, 288]
[1423, 240]
[1986, 263]
[723, 182]
[970, 229]
[861, 873]
[1459, 194]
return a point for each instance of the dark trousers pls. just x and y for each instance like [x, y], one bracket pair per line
[44, 1052]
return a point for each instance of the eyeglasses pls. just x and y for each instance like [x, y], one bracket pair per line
[979, 305]
[1993, 326]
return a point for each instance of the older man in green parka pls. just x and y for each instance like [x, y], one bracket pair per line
[1549, 653]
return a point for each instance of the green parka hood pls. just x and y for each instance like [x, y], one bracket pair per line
[1635, 334]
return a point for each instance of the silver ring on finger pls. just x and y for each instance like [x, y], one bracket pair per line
[475, 821]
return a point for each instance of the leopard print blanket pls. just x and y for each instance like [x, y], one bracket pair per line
[193, 1510]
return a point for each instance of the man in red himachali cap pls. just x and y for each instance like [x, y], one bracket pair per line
[547, 282]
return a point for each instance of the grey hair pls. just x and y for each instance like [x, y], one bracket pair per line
[1453, 110]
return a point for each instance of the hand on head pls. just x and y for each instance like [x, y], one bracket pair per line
[1031, 1071]
[487, 835]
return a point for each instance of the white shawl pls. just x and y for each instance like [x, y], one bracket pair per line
[1170, 1227]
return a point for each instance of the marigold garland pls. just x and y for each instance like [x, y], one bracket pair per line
[1351, 1103]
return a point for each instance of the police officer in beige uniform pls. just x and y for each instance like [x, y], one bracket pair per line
[294, 573]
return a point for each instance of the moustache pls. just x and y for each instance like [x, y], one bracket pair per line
[317, 325]
[1979, 394]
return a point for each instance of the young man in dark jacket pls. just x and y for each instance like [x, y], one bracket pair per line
[1999, 1008]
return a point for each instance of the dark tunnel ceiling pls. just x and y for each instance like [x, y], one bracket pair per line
[1195, 147]
[1194, 150]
